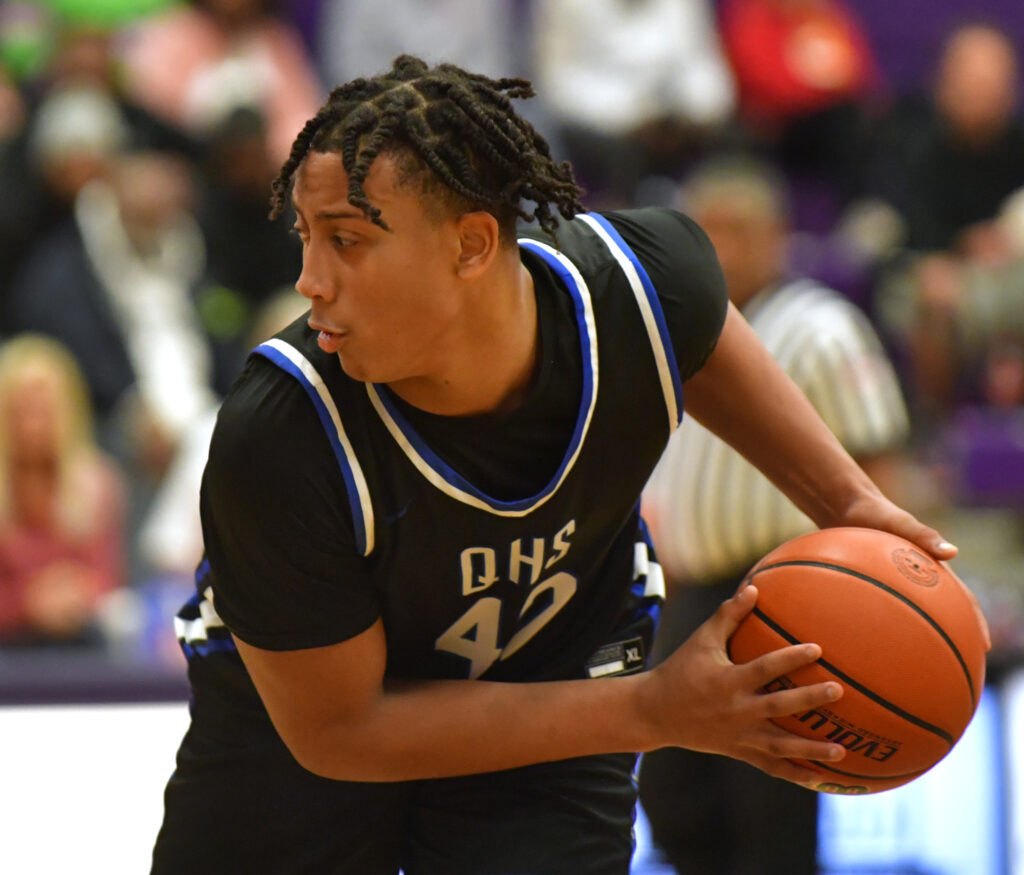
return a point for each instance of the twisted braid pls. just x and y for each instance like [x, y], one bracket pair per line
[455, 133]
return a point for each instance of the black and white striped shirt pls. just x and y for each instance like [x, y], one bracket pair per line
[711, 512]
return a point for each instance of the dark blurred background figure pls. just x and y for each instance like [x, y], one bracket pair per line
[74, 113]
[135, 227]
[712, 514]
[61, 502]
[948, 161]
[115, 284]
[951, 165]
[248, 257]
[636, 91]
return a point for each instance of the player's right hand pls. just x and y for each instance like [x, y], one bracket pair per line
[703, 701]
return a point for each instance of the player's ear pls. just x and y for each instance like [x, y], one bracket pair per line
[479, 241]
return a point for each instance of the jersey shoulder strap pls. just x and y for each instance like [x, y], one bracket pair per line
[291, 359]
[571, 250]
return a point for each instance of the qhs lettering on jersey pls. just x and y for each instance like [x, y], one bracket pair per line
[479, 565]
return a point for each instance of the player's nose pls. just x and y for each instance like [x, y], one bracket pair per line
[314, 281]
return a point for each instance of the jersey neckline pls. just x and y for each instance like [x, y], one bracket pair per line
[451, 482]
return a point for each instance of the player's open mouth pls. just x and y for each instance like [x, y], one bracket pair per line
[330, 341]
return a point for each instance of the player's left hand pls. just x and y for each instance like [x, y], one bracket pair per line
[877, 512]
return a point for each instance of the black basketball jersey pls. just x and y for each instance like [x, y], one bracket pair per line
[557, 582]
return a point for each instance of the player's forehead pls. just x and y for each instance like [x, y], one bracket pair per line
[321, 189]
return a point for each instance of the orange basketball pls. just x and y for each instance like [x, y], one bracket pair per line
[897, 629]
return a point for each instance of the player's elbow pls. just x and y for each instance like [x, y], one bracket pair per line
[310, 753]
[325, 702]
[337, 750]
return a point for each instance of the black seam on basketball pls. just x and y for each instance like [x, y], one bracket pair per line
[896, 594]
[890, 706]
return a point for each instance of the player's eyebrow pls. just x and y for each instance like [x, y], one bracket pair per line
[328, 215]
[341, 214]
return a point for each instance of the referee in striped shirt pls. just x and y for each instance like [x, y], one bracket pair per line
[713, 515]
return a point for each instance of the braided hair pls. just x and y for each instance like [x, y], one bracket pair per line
[453, 133]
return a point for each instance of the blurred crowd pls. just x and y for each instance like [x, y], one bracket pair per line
[138, 139]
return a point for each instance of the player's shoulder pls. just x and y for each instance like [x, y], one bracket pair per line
[645, 230]
[268, 412]
[654, 226]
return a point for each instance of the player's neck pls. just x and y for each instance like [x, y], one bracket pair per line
[490, 365]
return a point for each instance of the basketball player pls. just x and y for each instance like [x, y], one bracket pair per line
[713, 515]
[419, 634]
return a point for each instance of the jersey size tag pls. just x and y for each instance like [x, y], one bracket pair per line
[621, 657]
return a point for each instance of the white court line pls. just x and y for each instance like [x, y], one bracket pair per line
[81, 786]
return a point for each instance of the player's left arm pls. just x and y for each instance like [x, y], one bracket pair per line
[743, 396]
[734, 387]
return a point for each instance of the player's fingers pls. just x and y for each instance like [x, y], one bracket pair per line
[777, 663]
[799, 699]
[928, 539]
[938, 546]
[774, 741]
[786, 770]
[731, 612]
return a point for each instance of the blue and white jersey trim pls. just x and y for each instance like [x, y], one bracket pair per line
[287, 357]
[453, 484]
[648, 577]
[198, 627]
[650, 308]
[195, 634]
[647, 571]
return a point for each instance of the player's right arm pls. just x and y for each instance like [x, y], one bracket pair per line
[291, 586]
[342, 719]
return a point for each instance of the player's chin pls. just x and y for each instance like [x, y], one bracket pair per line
[393, 368]
[356, 367]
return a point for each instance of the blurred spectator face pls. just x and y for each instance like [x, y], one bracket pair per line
[239, 157]
[743, 215]
[749, 245]
[247, 166]
[976, 89]
[34, 406]
[153, 190]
